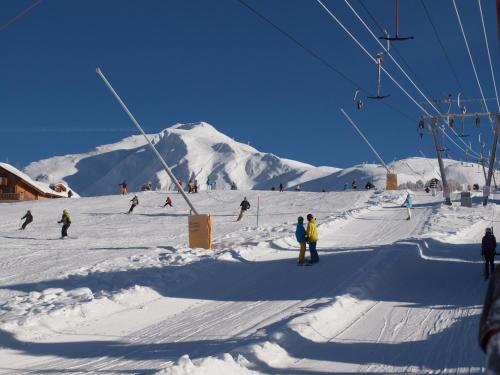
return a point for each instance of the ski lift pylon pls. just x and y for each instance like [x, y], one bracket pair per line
[397, 37]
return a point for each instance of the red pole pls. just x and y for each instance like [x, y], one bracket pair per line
[397, 11]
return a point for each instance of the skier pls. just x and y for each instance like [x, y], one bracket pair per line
[168, 202]
[312, 237]
[123, 188]
[300, 234]
[191, 186]
[29, 219]
[209, 184]
[245, 205]
[135, 202]
[233, 186]
[70, 193]
[369, 186]
[195, 186]
[488, 247]
[180, 184]
[427, 190]
[297, 188]
[354, 186]
[282, 188]
[409, 204]
[66, 221]
[489, 326]
[214, 185]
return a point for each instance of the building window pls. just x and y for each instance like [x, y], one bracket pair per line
[3, 181]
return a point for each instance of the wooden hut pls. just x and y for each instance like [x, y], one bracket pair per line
[17, 186]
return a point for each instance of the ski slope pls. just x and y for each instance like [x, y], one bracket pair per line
[125, 295]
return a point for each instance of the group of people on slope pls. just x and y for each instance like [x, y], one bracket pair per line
[65, 221]
[135, 202]
[307, 236]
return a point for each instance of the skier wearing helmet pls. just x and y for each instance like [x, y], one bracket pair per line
[300, 234]
[312, 237]
[488, 248]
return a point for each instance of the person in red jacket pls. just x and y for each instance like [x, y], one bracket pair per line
[168, 202]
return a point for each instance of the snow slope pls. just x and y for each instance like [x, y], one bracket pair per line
[408, 170]
[125, 295]
[197, 150]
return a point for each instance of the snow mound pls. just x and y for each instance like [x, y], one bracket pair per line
[209, 366]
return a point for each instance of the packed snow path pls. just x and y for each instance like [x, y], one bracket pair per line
[126, 296]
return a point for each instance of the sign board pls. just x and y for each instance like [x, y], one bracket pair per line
[200, 231]
[392, 181]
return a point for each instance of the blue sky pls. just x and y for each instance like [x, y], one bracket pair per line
[215, 61]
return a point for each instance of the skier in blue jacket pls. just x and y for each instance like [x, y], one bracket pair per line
[409, 204]
[300, 234]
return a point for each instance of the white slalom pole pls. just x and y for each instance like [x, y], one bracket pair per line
[162, 161]
[366, 140]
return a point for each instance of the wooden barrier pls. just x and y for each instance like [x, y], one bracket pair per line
[200, 231]
[392, 181]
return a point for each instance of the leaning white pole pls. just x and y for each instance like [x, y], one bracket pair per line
[162, 161]
[366, 140]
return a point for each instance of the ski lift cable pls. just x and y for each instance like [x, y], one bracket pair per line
[393, 46]
[318, 57]
[471, 60]
[489, 55]
[395, 62]
[385, 71]
[19, 15]
[441, 44]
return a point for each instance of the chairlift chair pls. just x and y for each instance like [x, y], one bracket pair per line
[379, 60]
[397, 37]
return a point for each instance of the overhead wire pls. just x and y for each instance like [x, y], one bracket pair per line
[385, 70]
[382, 30]
[401, 69]
[443, 49]
[471, 59]
[319, 58]
[489, 54]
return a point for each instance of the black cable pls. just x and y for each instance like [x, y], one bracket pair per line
[320, 59]
[448, 60]
[393, 46]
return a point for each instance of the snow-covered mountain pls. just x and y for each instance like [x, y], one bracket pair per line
[191, 150]
[198, 150]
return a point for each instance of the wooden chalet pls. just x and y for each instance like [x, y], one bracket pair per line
[17, 186]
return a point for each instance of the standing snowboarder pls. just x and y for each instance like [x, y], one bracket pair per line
[245, 205]
[300, 234]
[66, 221]
[282, 188]
[168, 202]
[354, 186]
[135, 202]
[488, 248]
[312, 237]
[29, 219]
[409, 204]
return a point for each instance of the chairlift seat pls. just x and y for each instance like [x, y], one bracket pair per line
[378, 97]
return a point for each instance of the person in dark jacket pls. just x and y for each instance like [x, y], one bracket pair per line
[489, 326]
[300, 235]
[29, 219]
[245, 205]
[123, 188]
[488, 248]
[66, 221]
[135, 202]
[282, 188]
